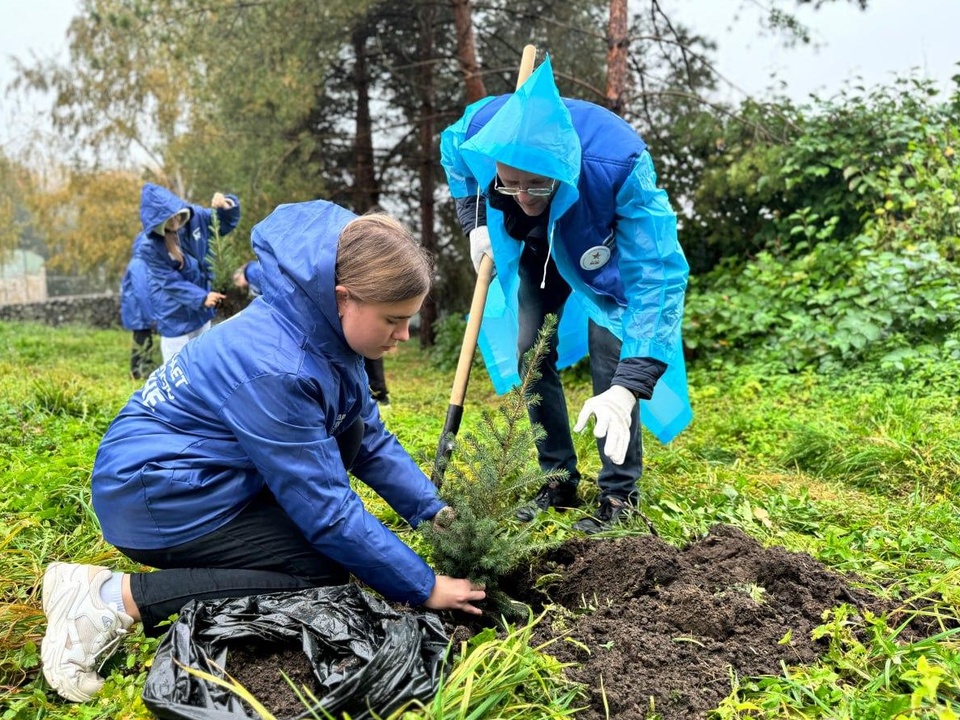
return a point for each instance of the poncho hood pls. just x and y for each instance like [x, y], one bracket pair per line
[533, 132]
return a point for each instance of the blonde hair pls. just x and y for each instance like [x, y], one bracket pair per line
[380, 261]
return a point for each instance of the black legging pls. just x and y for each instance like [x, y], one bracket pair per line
[259, 551]
[377, 377]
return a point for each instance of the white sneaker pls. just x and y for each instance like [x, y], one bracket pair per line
[81, 629]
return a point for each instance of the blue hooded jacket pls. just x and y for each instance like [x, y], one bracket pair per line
[258, 401]
[606, 206]
[254, 276]
[135, 310]
[177, 294]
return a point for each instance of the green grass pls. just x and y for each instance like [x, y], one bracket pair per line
[860, 472]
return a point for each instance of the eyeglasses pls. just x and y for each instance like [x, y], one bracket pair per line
[540, 192]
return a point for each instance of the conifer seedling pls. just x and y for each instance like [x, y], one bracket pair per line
[225, 256]
[489, 477]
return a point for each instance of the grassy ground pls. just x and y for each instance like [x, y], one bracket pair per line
[859, 471]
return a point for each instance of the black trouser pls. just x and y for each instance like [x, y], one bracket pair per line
[556, 449]
[141, 354]
[378, 379]
[259, 551]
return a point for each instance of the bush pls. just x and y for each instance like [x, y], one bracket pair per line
[448, 339]
[819, 296]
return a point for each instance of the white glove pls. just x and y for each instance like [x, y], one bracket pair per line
[480, 245]
[612, 409]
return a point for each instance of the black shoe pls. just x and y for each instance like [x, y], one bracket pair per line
[555, 494]
[613, 511]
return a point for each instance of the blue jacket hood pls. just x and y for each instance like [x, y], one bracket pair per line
[297, 248]
[157, 205]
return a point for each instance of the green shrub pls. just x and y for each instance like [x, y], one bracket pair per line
[863, 268]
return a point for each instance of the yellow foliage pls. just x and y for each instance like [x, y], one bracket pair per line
[90, 222]
[16, 187]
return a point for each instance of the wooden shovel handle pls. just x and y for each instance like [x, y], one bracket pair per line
[468, 348]
[484, 275]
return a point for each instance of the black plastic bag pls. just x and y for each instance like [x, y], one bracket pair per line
[367, 657]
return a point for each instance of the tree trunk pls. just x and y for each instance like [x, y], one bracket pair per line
[467, 50]
[617, 56]
[366, 189]
[428, 154]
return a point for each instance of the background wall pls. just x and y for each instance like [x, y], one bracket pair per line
[100, 311]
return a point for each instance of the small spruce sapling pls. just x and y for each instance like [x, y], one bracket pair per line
[483, 542]
[225, 256]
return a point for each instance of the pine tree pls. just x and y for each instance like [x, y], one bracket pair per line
[225, 255]
[493, 468]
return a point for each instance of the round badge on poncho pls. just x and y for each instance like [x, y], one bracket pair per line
[595, 257]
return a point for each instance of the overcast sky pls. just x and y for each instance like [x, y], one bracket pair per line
[891, 38]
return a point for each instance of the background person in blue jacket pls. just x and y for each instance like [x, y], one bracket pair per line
[181, 277]
[136, 314]
[248, 277]
[378, 380]
[228, 469]
[562, 195]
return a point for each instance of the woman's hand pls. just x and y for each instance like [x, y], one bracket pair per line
[444, 519]
[240, 278]
[221, 202]
[455, 594]
[213, 299]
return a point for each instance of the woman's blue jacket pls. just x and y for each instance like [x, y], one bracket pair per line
[257, 402]
[135, 310]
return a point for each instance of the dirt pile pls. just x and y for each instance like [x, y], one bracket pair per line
[664, 627]
[658, 628]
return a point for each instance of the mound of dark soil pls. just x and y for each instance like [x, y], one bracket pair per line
[235, 301]
[658, 628]
[664, 627]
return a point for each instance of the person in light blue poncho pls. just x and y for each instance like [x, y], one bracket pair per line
[562, 195]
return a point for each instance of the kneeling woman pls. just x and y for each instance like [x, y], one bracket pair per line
[228, 469]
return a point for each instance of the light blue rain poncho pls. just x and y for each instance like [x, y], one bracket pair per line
[607, 206]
